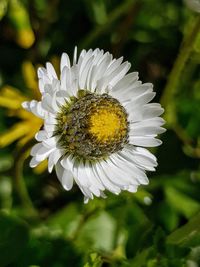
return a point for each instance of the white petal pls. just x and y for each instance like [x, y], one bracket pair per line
[43, 153]
[51, 71]
[103, 176]
[34, 107]
[67, 180]
[133, 91]
[136, 175]
[80, 175]
[75, 55]
[35, 149]
[64, 61]
[43, 75]
[145, 141]
[155, 121]
[25, 105]
[51, 120]
[33, 163]
[98, 55]
[87, 193]
[152, 110]
[85, 59]
[146, 130]
[75, 80]
[132, 188]
[99, 70]
[41, 135]
[95, 190]
[41, 72]
[113, 78]
[65, 176]
[50, 128]
[50, 162]
[114, 65]
[147, 111]
[141, 158]
[118, 175]
[84, 74]
[119, 73]
[56, 155]
[41, 85]
[84, 175]
[59, 170]
[50, 142]
[93, 178]
[66, 79]
[81, 57]
[139, 101]
[47, 104]
[86, 200]
[125, 82]
[146, 152]
[147, 127]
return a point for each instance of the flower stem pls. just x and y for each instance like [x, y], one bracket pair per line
[83, 219]
[113, 16]
[20, 183]
[170, 91]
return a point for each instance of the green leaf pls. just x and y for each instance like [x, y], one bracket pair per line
[3, 8]
[94, 261]
[168, 216]
[187, 235]
[98, 232]
[49, 251]
[197, 44]
[14, 236]
[97, 11]
[181, 202]
[5, 192]
[159, 240]
[138, 227]
[65, 220]
[6, 162]
[141, 258]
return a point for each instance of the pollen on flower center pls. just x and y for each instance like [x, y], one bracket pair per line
[92, 126]
[107, 123]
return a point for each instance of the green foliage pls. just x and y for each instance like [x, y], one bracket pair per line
[14, 237]
[94, 261]
[3, 8]
[159, 226]
[43, 250]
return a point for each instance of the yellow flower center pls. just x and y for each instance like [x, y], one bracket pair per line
[108, 123]
[92, 126]
[104, 125]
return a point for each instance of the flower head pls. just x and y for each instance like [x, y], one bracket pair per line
[97, 123]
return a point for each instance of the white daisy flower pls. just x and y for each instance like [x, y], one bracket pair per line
[97, 124]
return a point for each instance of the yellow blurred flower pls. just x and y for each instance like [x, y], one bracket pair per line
[20, 21]
[24, 130]
[11, 99]
[25, 38]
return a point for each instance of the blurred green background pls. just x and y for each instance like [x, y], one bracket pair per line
[41, 224]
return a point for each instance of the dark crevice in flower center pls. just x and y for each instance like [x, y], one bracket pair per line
[92, 126]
